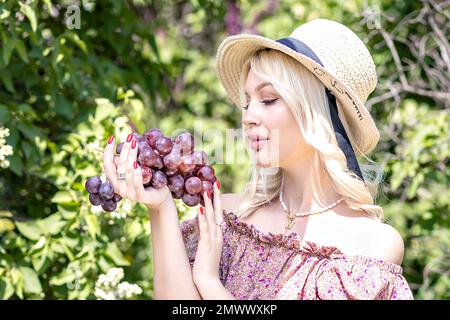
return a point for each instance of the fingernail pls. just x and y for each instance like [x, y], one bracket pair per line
[218, 184]
[135, 165]
[129, 137]
[111, 139]
[201, 210]
[208, 193]
[133, 144]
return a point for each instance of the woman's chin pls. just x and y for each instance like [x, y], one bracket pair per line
[262, 160]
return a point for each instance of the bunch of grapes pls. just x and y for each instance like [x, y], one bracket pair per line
[163, 161]
[102, 194]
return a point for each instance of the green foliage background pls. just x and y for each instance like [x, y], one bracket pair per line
[138, 64]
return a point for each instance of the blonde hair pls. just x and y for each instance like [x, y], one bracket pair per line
[299, 87]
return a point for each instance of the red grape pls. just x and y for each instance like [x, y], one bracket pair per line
[186, 142]
[206, 185]
[147, 157]
[159, 164]
[172, 160]
[206, 173]
[147, 174]
[117, 197]
[176, 182]
[142, 145]
[187, 175]
[137, 136]
[163, 145]
[92, 184]
[178, 194]
[191, 199]
[106, 190]
[94, 199]
[176, 148]
[171, 173]
[159, 179]
[109, 205]
[200, 158]
[193, 185]
[152, 135]
[187, 164]
[119, 148]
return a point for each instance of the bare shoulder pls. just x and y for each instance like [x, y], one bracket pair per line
[381, 241]
[230, 201]
[391, 244]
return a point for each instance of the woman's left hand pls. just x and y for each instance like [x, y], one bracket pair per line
[209, 248]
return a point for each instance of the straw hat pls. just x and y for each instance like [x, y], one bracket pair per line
[333, 53]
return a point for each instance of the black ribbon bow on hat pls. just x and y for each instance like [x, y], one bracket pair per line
[341, 135]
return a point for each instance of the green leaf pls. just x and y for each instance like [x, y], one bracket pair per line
[20, 47]
[6, 225]
[63, 107]
[27, 149]
[104, 264]
[68, 211]
[104, 109]
[17, 281]
[52, 224]
[13, 137]
[15, 164]
[62, 197]
[29, 229]
[4, 114]
[31, 280]
[63, 277]
[113, 252]
[4, 13]
[134, 229]
[30, 14]
[6, 288]
[28, 130]
[93, 225]
[38, 246]
[7, 80]
[40, 261]
[8, 47]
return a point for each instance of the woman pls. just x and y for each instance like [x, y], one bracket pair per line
[306, 226]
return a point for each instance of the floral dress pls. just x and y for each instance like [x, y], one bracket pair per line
[259, 266]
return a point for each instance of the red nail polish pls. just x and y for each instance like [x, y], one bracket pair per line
[133, 144]
[111, 139]
[135, 165]
[129, 137]
[201, 210]
[208, 193]
[218, 184]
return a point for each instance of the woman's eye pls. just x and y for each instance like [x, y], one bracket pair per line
[266, 102]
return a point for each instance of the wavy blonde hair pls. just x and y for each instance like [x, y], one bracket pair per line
[299, 87]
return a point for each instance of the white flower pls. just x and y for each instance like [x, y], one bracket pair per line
[126, 206]
[96, 209]
[5, 149]
[121, 121]
[127, 290]
[109, 287]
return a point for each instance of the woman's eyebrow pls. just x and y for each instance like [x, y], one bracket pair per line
[260, 86]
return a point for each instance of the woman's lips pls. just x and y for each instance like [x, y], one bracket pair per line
[257, 144]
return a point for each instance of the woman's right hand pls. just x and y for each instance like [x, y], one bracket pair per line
[132, 187]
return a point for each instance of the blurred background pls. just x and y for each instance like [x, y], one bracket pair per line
[72, 73]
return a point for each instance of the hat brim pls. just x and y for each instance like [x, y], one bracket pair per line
[235, 50]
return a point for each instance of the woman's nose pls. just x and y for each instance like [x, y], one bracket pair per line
[250, 117]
